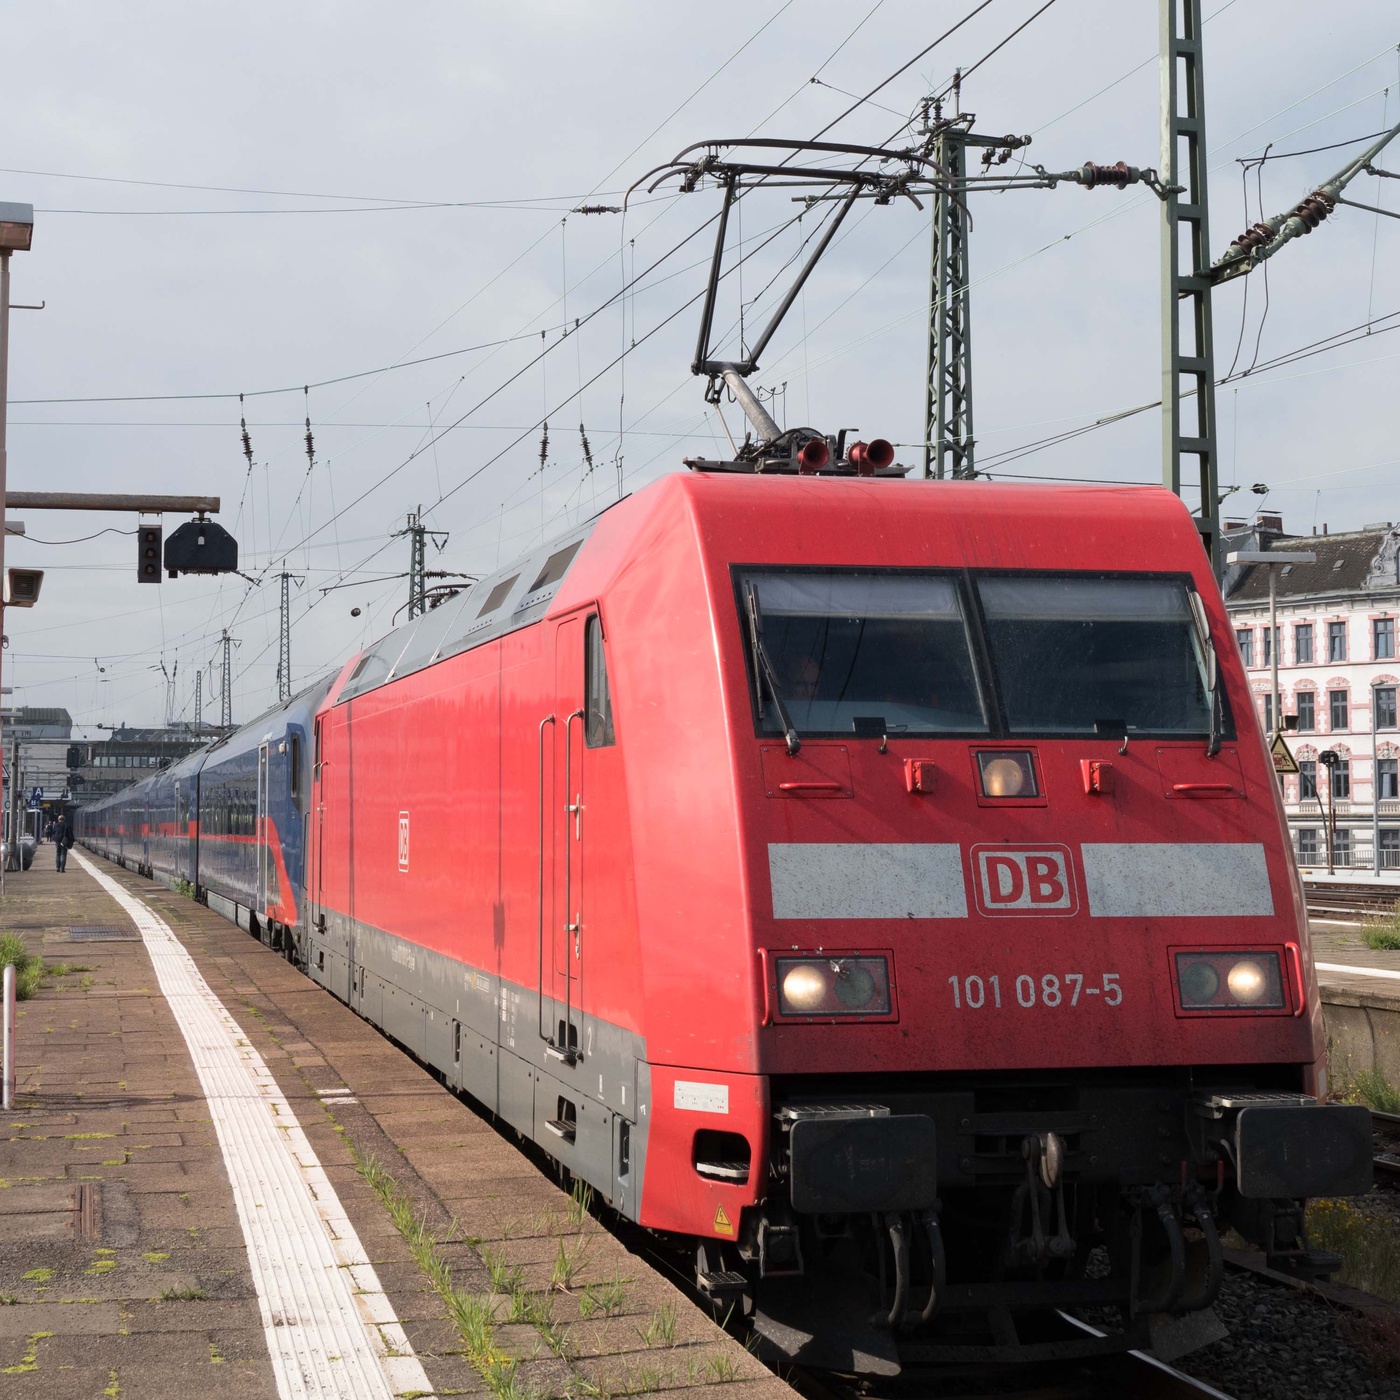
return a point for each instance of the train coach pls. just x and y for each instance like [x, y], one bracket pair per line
[880, 889]
[228, 822]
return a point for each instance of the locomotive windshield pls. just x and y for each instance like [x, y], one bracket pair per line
[866, 652]
[1090, 655]
[874, 652]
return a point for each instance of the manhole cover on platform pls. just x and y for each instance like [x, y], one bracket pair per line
[102, 933]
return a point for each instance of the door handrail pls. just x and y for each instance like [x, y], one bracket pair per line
[573, 924]
[539, 1016]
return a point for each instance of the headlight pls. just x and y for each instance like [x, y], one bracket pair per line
[1246, 980]
[823, 986]
[1007, 773]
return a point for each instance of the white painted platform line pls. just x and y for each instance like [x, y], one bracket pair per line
[331, 1330]
[1359, 971]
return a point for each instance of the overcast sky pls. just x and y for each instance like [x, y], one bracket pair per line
[326, 129]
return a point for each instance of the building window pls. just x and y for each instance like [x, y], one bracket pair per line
[1341, 847]
[1390, 847]
[1307, 713]
[1383, 638]
[1336, 641]
[1338, 707]
[1245, 638]
[1268, 714]
[1341, 778]
[1385, 707]
[1307, 780]
[1307, 845]
[1268, 646]
[1387, 778]
[1303, 643]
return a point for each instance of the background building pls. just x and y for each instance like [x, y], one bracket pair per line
[1338, 674]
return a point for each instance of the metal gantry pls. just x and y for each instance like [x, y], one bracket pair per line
[948, 440]
[418, 534]
[284, 640]
[1188, 353]
[226, 699]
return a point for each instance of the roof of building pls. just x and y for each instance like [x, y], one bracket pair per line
[1346, 563]
[38, 714]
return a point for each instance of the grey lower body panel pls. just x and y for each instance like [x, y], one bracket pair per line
[485, 1035]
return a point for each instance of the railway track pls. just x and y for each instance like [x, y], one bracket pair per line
[1350, 901]
[1386, 1129]
[1114, 1377]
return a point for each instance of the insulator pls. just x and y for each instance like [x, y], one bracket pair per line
[1313, 210]
[1255, 236]
[1119, 176]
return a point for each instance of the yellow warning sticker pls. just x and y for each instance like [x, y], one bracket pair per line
[723, 1224]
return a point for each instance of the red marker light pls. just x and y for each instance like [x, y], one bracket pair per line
[813, 455]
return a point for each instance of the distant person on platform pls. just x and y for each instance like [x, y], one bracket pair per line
[49, 829]
[62, 840]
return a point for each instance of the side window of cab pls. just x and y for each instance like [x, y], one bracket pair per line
[598, 715]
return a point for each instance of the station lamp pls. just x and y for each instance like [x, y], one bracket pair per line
[16, 227]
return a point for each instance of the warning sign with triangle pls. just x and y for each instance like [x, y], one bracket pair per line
[1284, 762]
[723, 1224]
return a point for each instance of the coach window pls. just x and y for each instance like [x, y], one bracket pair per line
[598, 721]
[294, 760]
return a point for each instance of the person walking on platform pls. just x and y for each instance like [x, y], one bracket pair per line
[62, 840]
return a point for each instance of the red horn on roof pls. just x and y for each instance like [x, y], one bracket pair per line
[868, 457]
[813, 455]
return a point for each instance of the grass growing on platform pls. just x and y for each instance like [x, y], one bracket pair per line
[1383, 933]
[1369, 1245]
[1372, 1088]
[29, 967]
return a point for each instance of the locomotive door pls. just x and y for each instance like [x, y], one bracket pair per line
[563, 905]
[261, 834]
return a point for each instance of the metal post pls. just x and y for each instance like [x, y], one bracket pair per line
[7, 1054]
[226, 699]
[14, 860]
[1275, 724]
[1186, 305]
[417, 565]
[284, 650]
[948, 440]
[4, 418]
[1375, 787]
[1331, 820]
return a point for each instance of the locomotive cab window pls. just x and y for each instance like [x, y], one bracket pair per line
[864, 652]
[598, 716]
[1095, 655]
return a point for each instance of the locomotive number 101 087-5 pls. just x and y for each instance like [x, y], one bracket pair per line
[1049, 989]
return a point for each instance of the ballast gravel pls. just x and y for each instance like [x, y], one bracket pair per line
[1289, 1345]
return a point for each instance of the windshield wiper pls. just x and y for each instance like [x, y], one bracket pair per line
[763, 671]
[1212, 676]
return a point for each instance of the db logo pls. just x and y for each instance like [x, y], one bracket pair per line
[403, 840]
[1024, 880]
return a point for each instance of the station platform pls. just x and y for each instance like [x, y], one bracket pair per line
[1360, 989]
[220, 1181]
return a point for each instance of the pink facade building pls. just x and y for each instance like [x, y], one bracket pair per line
[1339, 674]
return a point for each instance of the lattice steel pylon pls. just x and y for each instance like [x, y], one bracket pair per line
[418, 534]
[948, 440]
[198, 698]
[1186, 294]
[226, 699]
[284, 642]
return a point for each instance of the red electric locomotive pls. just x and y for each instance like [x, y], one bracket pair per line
[881, 885]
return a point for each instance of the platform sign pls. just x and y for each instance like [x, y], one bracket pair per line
[36, 798]
[1284, 762]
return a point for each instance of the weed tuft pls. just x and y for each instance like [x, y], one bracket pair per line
[606, 1298]
[580, 1203]
[29, 967]
[1369, 1245]
[182, 1295]
[660, 1328]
